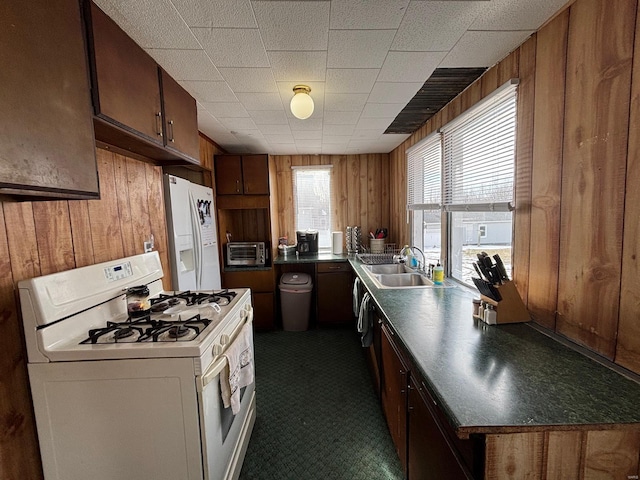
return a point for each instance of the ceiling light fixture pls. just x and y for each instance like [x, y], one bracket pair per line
[301, 103]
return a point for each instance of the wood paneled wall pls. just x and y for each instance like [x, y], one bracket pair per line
[577, 217]
[45, 237]
[360, 190]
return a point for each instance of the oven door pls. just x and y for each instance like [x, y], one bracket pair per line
[225, 436]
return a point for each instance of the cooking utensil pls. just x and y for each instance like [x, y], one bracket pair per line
[487, 289]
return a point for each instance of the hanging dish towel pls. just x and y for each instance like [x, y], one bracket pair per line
[239, 370]
[365, 321]
[356, 297]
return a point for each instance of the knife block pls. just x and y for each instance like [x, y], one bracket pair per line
[511, 308]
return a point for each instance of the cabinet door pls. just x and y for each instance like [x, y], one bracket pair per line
[394, 393]
[47, 145]
[430, 454]
[255, 174]
[228, 172]
[264, 311]
[334, 293]
[127, 90]
[180, 118]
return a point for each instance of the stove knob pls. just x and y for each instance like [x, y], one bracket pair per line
[224, 339]
[217, 350]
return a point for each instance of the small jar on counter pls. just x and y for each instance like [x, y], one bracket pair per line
[138, 303]
[476, 306]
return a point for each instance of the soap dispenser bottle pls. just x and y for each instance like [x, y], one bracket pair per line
[408, 256]
[438, 274]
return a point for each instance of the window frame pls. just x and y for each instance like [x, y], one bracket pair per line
[448, 204]
[329, 170]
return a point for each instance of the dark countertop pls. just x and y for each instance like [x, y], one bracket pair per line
[501, 378]
[315, 258]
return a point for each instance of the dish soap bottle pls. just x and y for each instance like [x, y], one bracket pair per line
[408, 256]
[438, 274]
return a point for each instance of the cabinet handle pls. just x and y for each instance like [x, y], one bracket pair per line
[159, 124]
[171, 139]
[335, 268]
[238, 186]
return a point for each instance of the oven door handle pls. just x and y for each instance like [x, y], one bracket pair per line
[216, 367]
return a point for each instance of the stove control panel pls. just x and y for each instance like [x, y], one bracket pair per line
[118, 272]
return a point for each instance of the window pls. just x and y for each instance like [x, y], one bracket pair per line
[312, 201]
[424, 194]
[476, 176]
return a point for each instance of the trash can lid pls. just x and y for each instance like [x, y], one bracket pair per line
[295, 279]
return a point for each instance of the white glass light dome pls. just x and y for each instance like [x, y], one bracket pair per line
[301, 103]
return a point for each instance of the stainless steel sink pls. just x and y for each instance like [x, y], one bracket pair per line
[404, 280]
[397, 275]
[389, 268]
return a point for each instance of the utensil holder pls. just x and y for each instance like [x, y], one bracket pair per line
[376, 245]
[511, 308]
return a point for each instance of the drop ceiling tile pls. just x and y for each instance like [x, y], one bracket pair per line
[387, 92]
[345, 102]
[305, 143]
[368, 134]
[233, 47]
[515, 14]
[260, 101]
[435, 26]
[221, 13]
[307, 24]
[335, 139]
[307, 135]
[330, 149]
[238, 124]
[409, 66]
[256, 80]
[209, 91]
[483, 49]
[210, 125]
[358, 48]
[378, 110]
[283, 149]
[270, 129]
[373, 124]
[367, 14]
[281, 139]
[269, 117]
[304, 125]
[226, 109]
[351, 80]
[298, 67]
[150, 23]
[186, 64]
[338, 129]
[341, 118]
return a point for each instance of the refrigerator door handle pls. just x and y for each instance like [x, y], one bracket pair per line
[197, 238]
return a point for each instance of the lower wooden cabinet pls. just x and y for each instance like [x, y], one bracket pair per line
[334, 286]
[430, 453]
[394, 378]
[262, 285]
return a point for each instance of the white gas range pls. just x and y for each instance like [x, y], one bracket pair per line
[136, 397]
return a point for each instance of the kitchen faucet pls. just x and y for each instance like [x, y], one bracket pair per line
[423, 258]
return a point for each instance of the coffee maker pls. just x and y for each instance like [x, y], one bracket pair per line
[307, 242]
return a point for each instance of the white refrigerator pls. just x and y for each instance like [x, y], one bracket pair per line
[191, 224]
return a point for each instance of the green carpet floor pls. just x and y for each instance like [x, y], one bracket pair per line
[317, 414]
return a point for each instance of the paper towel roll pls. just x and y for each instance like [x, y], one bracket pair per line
[337, 243]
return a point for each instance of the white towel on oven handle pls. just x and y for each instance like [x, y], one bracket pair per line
[239, 370]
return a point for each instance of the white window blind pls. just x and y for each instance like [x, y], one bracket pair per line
[479, 153]
[312, 200]
[424, 179]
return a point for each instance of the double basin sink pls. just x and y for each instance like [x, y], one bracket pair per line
[397, 275]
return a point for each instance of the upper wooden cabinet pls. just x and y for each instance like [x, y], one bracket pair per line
[138, 106]
[242, 174]
[47, 147]
[180, 122]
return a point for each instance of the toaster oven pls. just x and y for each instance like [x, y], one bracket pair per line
[246, 253]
